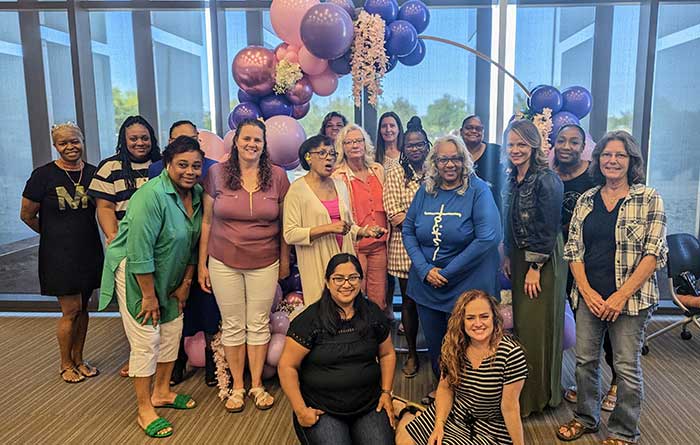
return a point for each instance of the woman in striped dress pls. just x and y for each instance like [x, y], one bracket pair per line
[401, 184]
[482, 374]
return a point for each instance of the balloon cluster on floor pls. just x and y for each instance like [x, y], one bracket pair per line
[278, 85]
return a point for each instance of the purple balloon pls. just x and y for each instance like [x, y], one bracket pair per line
[387, 33]
[569, 339]
[274, 349]
[577, 100]
[404, 39]
[253, 70]
[245, 97]
[559, 120]
[268, 371]
[416, 13]
[347, 5]
[301, 92]
[546, 96]
[278, 297]
[504, 281]
[243, 111]
[299, 111]
[341, 65]
[284, 136]
[416, 56]
[386, 9]
[327, 31]
[291, 166]
[279, 323]
[275, 105]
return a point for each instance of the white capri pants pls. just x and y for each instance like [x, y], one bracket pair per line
[149, 345]
[245, 299]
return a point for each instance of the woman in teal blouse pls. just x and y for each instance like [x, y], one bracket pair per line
[149, 267]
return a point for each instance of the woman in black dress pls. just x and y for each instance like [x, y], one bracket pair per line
[55, 204]
[337, 367]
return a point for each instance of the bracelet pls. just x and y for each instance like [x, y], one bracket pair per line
[387, 391]
[442, 421]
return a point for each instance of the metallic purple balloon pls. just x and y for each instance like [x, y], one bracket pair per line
[243, 111]
[254, 70]
[301, 92]
[274, 105]
[346, 5]
[327, 31]
[245, 97]
[299, 111]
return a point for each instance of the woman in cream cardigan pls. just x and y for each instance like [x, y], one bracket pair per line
[317, 216]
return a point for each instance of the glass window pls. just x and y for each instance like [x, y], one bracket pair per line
[623, 67]
[15, 149]
[563, 61]
[182, 72]
[441, 89]
[236, 40]
[674, 160]
[57, 66]
[115, 74]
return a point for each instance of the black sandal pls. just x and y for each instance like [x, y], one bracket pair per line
[409, 407]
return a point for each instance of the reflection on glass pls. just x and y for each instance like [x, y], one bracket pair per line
[674, 160]
[236, 40]
[623, 67]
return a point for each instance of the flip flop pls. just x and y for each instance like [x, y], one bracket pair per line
[80, 377]
[181, 402]
[154, 428]
[92, 371]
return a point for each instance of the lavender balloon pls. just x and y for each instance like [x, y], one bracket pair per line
[284, 136]
[254, 70]
[416, 13]
[298, 112]
[274, 349]
[327, 31]
[279, 323]
[346, 5]
[569, 338]
[274, 105]
[301, 92]
[243, 111]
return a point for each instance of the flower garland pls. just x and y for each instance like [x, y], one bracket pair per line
[286, 75]
[369, 59]
[543, 122]
[222, 375]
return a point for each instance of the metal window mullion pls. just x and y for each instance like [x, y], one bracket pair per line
[600, 76]
[482, 105]
[254, 27]
[219, 56]
[145, 74]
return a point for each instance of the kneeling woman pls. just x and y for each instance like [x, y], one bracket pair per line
[149, 266]
[482, 374]
[337, 368]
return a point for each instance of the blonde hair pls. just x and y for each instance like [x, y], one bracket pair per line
[68, 125]
[369, 148]
[529, 133]
[432, 175]
[453, 355]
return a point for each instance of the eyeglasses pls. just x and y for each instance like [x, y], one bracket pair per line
[416, 146]
[349, 142]
[608, 156]
[325, 154]
[476, 128]
[340, 280]
[456, 160]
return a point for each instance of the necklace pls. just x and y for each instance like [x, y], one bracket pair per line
[80, 178]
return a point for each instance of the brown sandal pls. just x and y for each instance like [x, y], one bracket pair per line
[575, 430]
[610, 399]
[88, 371]
[613, 441]
[78, 376]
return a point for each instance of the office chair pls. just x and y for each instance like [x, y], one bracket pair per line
[683, 256]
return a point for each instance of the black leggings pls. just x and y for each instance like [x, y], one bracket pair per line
[409, 317]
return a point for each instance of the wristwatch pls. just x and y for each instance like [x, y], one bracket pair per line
[536, 266]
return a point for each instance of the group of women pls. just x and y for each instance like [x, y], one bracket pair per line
[429, 215]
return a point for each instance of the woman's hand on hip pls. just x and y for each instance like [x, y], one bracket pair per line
[532, 283]
[308, 416]
[203, 278]
[150, 310]
[386, 405]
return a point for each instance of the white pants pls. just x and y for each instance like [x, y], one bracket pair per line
[244, 298]
[149, 345]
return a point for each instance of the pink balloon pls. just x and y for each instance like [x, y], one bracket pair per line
[212, 145]
[253, 70]
[507, 314]
[325, 83]
[279, 323]
[294, 298]
[311, 64]
[291, 57]
[268, 372]
[281, 51]
[284, 136]
[194, 347]
[301, 92]
[274, 349]
[286, 16]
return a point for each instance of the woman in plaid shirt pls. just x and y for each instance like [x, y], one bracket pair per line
[616, 243]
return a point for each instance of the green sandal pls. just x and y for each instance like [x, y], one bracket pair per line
[154, 428]
[180, 402]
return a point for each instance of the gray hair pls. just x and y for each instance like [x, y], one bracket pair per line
[635, 173]
[433, 181]
[369, 148]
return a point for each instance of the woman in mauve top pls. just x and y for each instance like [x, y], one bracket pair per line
[241, 238]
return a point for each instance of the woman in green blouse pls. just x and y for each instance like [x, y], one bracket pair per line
[149, 267]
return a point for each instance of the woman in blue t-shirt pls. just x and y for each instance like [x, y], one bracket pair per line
[337, 367]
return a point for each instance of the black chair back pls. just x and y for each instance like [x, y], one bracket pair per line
[683, 255]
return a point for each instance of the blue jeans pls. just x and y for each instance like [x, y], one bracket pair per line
[371, 428]
[434, 327]
[626, 336]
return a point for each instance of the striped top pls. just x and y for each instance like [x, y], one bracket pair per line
[109, 182]
[476, 416]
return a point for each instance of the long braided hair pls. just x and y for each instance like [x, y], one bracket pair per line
[414, 125]
[123, 153]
